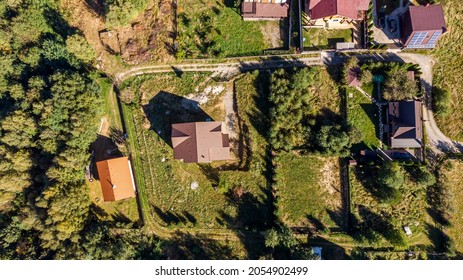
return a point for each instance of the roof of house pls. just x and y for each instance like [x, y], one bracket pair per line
[346, 8]
[200, 142]
[116, 178]
[406, 122]
[353, 77]
[264, 10]
[424, 18]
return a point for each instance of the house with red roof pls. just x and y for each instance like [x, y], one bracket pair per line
[336, 13]
[422, 26]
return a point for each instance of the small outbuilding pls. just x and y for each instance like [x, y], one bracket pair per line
[116, 179]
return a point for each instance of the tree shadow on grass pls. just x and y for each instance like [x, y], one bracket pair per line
[374, 224]
[366, 175]
[171, 218]
[166, 108]
[185, 246]
[253, 215]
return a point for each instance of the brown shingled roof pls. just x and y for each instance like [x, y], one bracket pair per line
[346, 8]
[264, 10]
[406, 124]
[200, 142]
[116, 179]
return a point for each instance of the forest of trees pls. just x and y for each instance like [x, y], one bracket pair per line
[49, 102]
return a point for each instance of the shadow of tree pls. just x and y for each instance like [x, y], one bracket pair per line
[166, 108]
[185, 246]
[253, 215]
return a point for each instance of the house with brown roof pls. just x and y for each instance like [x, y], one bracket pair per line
[264, 9]
[353, 77]
[422, 26]
[200, 142]
[405, 124]
[336, 13]
[116, 179]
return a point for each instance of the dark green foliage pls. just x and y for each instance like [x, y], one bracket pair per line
[284, 245]
[441, 101]
[289, 96]
[334, 140]
[391, 175]
[48, 119]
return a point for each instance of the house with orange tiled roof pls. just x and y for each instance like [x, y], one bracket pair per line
[116, 179]
[200, 142]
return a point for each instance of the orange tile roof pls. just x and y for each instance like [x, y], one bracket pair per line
[200, 142]
[116, 179]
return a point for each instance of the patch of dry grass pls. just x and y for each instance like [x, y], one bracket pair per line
[447, 71]
[452, 179]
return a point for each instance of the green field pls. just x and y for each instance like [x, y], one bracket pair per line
[363, 114]
[213, 29]
[308, 191]
[379, 224]
[324, 38]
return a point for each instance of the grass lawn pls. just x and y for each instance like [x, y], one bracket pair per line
[123, 211]
[308, 191]
[447, 72]
[167, 182]
[323, 38]
[453, 181]
[363, 114]
[211, 29]
[382, 223]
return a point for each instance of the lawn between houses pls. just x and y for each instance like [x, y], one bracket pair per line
[320, 38]
[363, 114]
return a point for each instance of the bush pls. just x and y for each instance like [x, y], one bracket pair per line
[441, 101]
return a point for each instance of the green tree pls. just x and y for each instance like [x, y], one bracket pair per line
[289, 96]
[391, 175]
[398, 86]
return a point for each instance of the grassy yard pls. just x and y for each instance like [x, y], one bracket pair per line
[363, 114]
[167, 99]
[308, 191]
[452, 179]
[212, 29]
[380, 224]
[447, 71]
[323, 38]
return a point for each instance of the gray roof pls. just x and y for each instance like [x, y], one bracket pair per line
[405, 118]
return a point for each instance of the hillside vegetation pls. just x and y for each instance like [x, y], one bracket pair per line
[448, 76]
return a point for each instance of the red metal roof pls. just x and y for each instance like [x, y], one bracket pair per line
[426, 18]
[326, 8]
